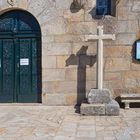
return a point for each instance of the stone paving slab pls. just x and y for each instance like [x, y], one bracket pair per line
[38, 122]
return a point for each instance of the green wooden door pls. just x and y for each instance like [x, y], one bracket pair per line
[7, 70]
[20, 60]
[26, 74]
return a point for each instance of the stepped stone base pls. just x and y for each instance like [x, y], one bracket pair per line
[92, 109]
[100, 103]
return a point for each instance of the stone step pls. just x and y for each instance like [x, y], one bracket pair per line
[92, 109]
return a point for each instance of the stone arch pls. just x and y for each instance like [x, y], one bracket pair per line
[4, 10]
[20, 9]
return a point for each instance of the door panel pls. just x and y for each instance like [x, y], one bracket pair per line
[7, 70]
[28, 90]
[35, 62]
[25, 66]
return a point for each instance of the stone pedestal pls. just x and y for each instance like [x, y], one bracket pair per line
[100, 103]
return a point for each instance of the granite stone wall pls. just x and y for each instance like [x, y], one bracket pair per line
[68, 62]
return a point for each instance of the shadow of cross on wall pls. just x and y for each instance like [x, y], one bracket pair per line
[81, 59]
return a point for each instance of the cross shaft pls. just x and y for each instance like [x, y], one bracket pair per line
[100, 37]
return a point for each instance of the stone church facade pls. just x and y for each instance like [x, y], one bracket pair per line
[68, 62]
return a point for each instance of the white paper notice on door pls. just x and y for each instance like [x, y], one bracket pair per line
[24, 61]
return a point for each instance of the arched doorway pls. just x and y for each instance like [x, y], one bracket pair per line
[20, 58]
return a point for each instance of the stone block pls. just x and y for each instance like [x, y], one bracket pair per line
[23, 4]
[80, 28]
[56, 49]
[62, 61]
[43, 31]
[91, 3]
[88, 7]
[138, 32]
[117, 64]
[50, 87]
[125, 13]
[118, 51]
[122, 39]
[68, 38]
[59, 99]
[112, 76]
[3, 5]
[79, 16]
[63, 4]
[49, 62]
[131, 79]
[88, 16]
[47, 39]
[65, 87]
[92, 48]
[54, 99]
[112, 108]
[132, 82]
[71, 74]
[92, 109]
[57, 26]
[62, 48]
[136, 6]
[115, 84]
[91, 74]
[99, 96]
[127, 3]
[37, 6]
[68, 87]
[90, 85]
[48, 15]
[71, 99]
[53, 75]
[135, 66]
[127, 26]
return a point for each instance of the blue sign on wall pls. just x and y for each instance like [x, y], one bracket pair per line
[138, 50]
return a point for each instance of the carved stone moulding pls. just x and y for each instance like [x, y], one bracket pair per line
[11, 2]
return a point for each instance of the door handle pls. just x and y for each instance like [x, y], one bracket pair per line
[0, 63]
[17, 65]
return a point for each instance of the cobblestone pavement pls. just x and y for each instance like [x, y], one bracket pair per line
[40, 122]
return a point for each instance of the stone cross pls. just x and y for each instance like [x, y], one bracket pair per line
[100, 37]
